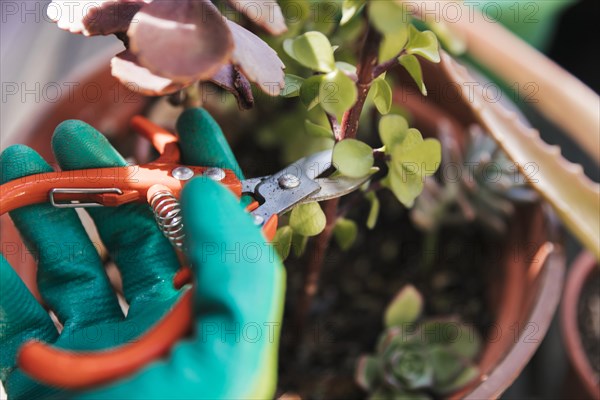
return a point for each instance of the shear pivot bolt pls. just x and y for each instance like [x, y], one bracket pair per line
[216, 174]
[258, 220]
[182, 173]
[289, 181]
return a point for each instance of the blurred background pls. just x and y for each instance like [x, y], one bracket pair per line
[35, 55]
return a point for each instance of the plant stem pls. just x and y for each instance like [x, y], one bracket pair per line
[368, 61]
[315, 259]
[335, 127]
[348, 129]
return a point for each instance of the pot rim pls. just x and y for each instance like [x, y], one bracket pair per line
[584, 266]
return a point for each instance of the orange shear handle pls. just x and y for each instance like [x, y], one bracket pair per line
[81, 370]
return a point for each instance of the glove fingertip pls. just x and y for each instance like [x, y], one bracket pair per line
[18, 160]
[77, 144]
[204, 142]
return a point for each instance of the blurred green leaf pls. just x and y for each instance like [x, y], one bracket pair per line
[463, 379]
[387, 16]
[310, 91]
[308, 219]
[405, 308]
[391, 130]
[447, 365]
[382, 96]
[452, 41]
[393, 43]
[345, 233]
[353, 158]
[424, 44]
[292, 87]
[299, 244]
[315, 130]
[367, 372]
[283, 241]
[346, 67]
[411, 64]
[337, 93]
[350, 8]
[417, 155]
[406, 187]
[312, 50]
[374, 211]
[413, 159]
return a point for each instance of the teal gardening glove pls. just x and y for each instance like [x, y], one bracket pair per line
[238, 292]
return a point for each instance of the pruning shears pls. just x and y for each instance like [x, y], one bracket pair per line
[159, 183]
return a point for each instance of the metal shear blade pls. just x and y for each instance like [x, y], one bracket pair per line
[299, 183]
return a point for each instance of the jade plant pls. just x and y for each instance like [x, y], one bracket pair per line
[342, 61]
[418, 358]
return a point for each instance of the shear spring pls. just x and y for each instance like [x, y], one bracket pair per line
[167, 212]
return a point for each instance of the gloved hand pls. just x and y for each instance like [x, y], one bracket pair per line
[239, 280]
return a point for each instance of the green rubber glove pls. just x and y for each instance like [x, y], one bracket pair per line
[240, 281]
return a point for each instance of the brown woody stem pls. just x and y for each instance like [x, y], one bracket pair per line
[349, 129]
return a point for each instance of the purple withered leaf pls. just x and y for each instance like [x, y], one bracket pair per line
[94, 17]
[264, 13]
[181, 40]
[126, 68]
[257, 61]
[232, 80]
[112, 16]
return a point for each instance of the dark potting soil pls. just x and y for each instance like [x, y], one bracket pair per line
[355, 287]
[588, 319]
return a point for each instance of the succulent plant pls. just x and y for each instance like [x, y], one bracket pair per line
[173, 44]
[481, 185]
[419, 360]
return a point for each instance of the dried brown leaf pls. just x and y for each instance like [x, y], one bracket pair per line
[259, 62]
[230, 79]
[126, 68]
[264, 13]
[184, 40]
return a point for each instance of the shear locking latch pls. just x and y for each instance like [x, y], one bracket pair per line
[70, 204]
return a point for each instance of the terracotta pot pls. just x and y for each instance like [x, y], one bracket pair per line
[583, 269]
[523, 296]
[526, 289]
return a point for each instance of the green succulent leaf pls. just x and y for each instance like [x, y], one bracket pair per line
[411, 365]
[411, 64]
[310, 91]
[299, 244]
[316, 130]
[413, 159]
[463, 379]
[452, 41]
[313, 50]
[392, 129]
[424, 44]
[353, 158]
[387, 16]
[338, 93]
[382, 96]
[446, 364]
[283, 241]
[393, 43]
[351, 8]
[374, 211]
[405, 187]
[367, 372]
[308, 219]
[345, 233]
[346, 67]
[292, 87]
[405, 308]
